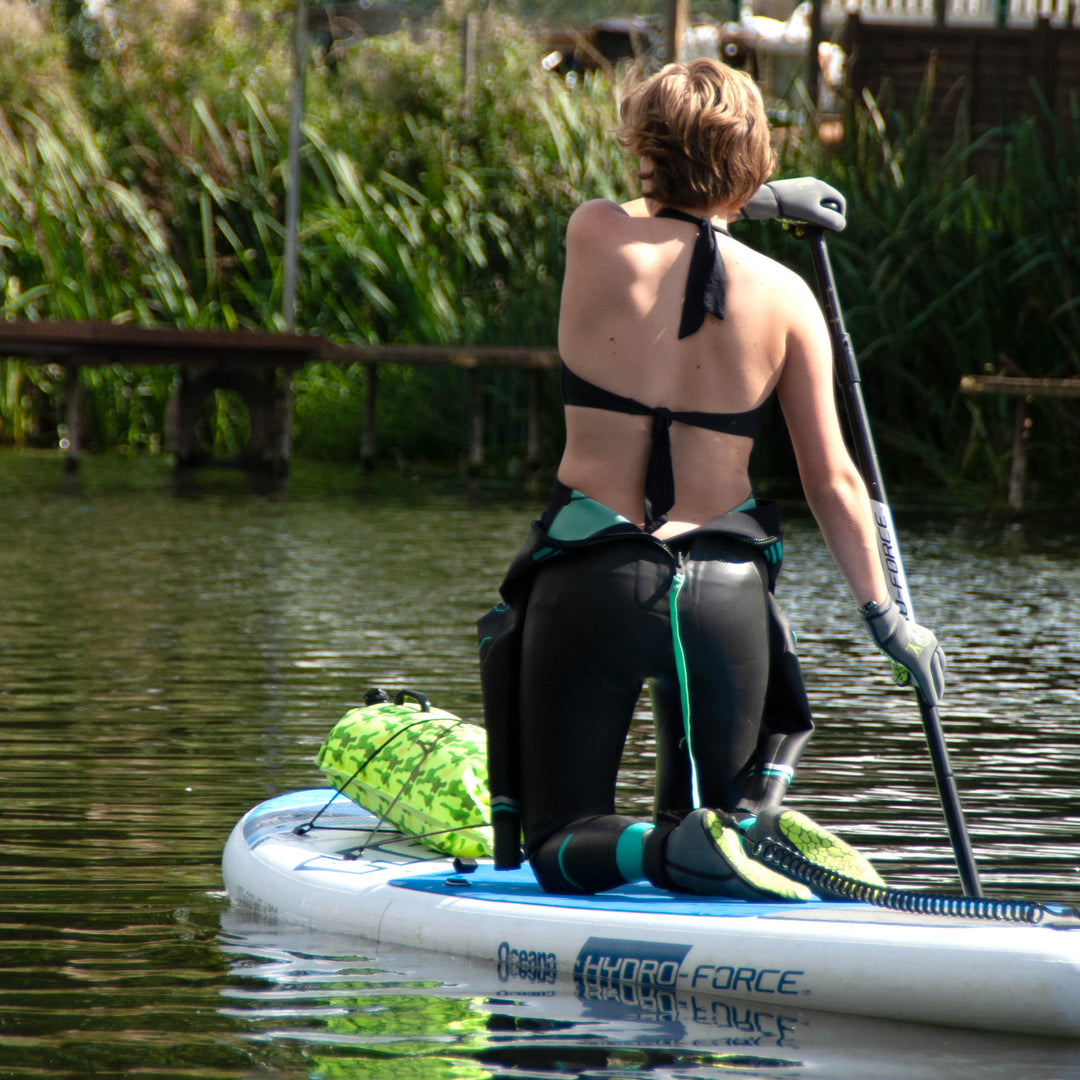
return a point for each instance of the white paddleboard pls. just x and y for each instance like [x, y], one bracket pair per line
[850, 958]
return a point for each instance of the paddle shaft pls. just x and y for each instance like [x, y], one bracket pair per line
[850, 384]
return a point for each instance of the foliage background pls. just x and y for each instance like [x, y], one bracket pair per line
[142, 156]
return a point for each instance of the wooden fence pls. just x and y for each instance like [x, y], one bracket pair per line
[998, 70]
[473, 361]
[1020, 14]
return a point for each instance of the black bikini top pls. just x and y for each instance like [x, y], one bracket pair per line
[705, 292]
[706, 284]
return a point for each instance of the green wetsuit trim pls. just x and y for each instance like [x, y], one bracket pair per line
[583, 517]
[630, 851]
[562, 866]
[684, 680]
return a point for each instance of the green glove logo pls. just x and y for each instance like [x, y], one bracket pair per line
[918, 638]
[901, 675]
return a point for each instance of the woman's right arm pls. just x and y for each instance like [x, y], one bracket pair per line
[837, 496]
[831, 483]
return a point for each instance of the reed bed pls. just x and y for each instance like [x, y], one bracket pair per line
[962, 263]
[144, 185]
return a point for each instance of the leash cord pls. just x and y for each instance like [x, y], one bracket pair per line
[796, 865]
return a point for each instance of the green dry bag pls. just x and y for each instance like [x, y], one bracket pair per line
[422, 770]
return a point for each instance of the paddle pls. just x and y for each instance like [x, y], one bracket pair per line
[810, 207]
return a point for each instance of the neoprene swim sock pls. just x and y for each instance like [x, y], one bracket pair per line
[705, 854]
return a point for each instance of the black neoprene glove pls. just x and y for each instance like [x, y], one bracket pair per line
[916, 655]
[801, 198]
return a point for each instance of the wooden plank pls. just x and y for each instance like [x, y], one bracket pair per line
[479, 356]
[1013, 386]
[104, 342]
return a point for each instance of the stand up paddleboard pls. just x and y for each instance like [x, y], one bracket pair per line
[315, 860]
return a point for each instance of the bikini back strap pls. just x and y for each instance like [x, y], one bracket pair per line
[706, 283]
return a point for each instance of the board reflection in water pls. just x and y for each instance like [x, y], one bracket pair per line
[350, 1001]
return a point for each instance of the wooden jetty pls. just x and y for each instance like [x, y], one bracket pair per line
[1023, 389]
[258, 367]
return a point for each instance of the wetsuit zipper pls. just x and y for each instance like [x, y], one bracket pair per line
[681, 673]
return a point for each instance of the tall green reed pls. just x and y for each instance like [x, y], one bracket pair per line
[959, 258]
[75, 244]
[454, 233]
[420, 223]
[151, 189]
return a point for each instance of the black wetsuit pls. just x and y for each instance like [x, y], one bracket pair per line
[595, 607]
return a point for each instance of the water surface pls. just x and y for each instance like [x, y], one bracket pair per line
[167, 660]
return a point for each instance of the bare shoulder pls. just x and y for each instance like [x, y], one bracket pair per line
[636, 208]
[786, 291]
[594, 215]
[603, 219]
[768, 268]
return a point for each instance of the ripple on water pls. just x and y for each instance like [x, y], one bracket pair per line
[166, 663]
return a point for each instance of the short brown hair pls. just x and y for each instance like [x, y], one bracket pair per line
[702, 125]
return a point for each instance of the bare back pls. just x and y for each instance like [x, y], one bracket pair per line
[622, 297]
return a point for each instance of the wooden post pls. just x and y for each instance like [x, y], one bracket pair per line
[476, 423]
[849, 41]
[813, 69]
[367, 436]
[468, 63]
[676, 25]
[534, 437]
[72, 417]
[1021, 427]
[284, 400]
